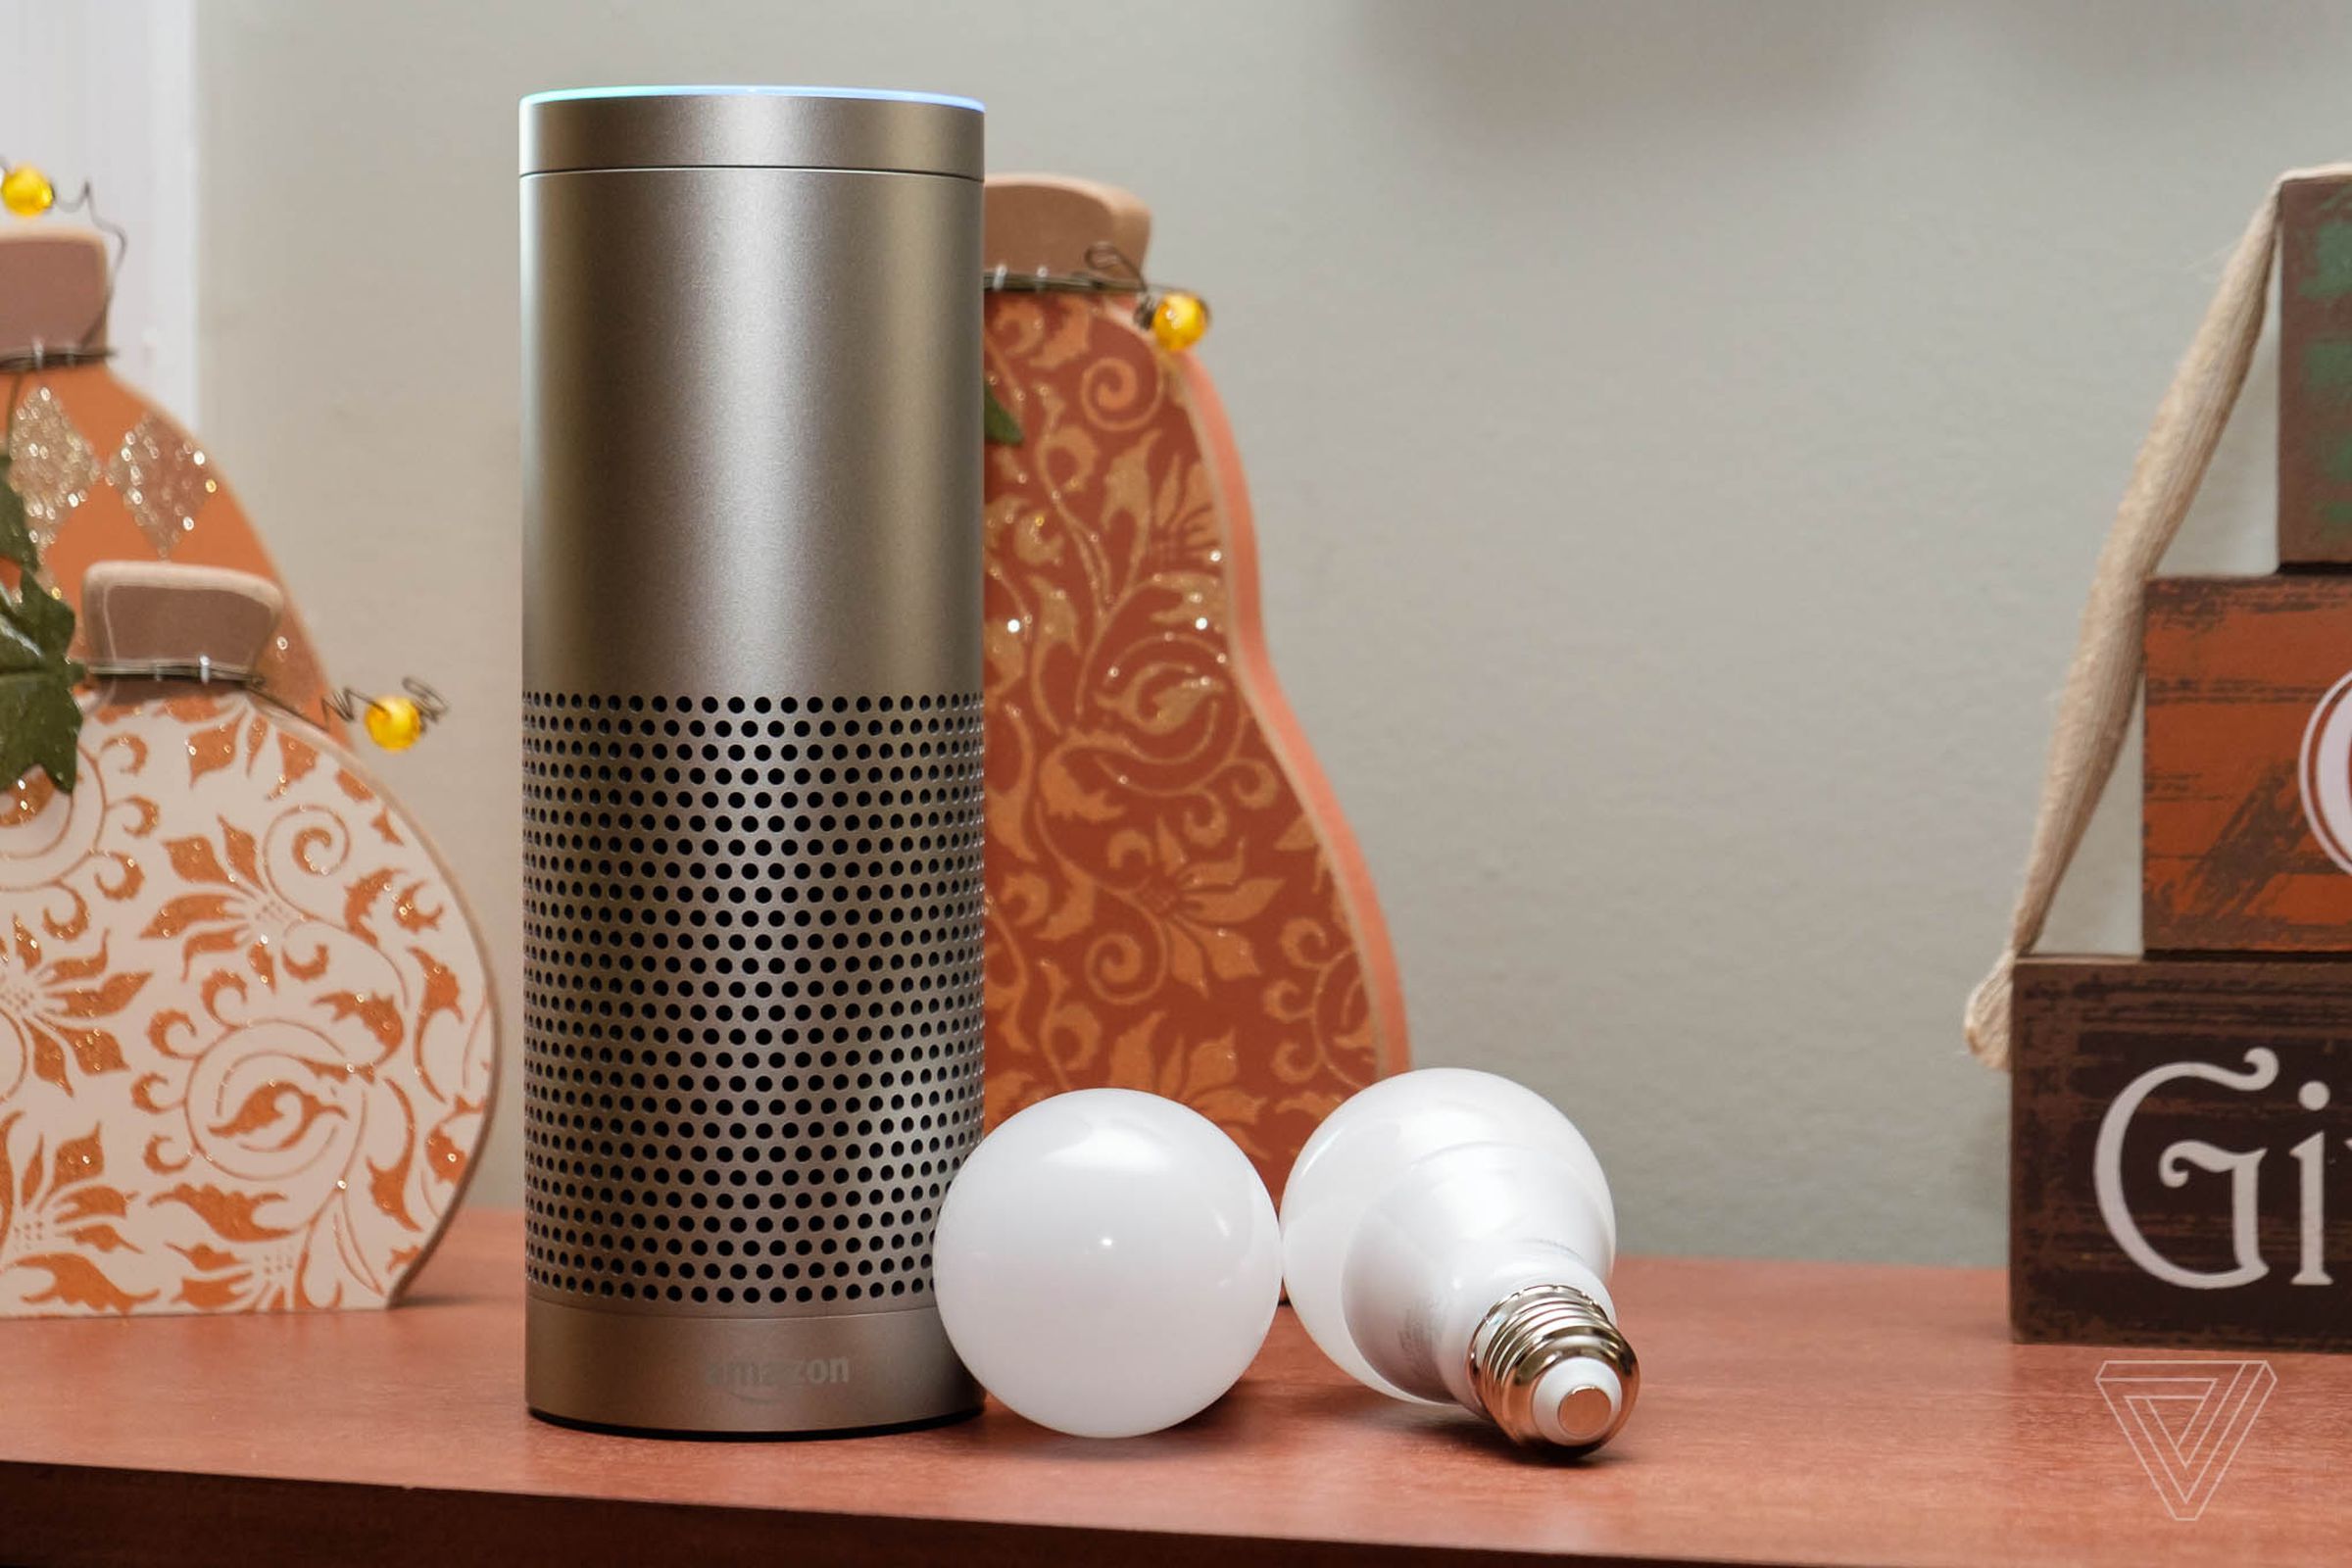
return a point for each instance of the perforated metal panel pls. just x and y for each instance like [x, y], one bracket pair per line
[752, 994]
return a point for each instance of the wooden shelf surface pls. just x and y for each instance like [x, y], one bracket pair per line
[1791, 1413]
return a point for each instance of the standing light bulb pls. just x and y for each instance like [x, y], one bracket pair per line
[1448, 1237]
[1107, 1263]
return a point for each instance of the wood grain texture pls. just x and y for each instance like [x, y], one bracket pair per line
[1791, 1412]
[2084, 1032]
[2236, 667]
[2315, 372]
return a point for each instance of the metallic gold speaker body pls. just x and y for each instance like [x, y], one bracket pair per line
[752, 392]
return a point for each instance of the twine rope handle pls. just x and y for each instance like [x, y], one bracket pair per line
[2102, 681]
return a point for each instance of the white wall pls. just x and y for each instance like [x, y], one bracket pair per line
[1681, 435]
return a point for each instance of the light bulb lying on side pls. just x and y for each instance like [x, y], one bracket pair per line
[1448, 1237]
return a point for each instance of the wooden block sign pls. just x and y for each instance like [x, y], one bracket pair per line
[2246, 820]
[2315, 372]
[2181, 1153]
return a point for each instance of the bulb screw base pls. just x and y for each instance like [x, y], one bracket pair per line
[1550, 1368]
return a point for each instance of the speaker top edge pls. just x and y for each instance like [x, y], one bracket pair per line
[811, 128]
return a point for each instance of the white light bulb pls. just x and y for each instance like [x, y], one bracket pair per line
[1448, 1236]
[1107, 1263]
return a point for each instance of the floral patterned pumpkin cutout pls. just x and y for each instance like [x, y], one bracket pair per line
[1175, 901]
[247, 1034]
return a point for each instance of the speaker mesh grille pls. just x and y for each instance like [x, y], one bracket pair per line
[752, 994]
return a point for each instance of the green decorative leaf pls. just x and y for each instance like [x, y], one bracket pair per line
[996, 422]
[47, 619]
[16, 534]
[20, 654]
[39, 720]
[43, 722]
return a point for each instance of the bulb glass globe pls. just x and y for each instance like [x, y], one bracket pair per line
[1107, 1263]
[1378, 1133]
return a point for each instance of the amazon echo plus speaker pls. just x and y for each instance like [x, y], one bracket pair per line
[752, 790]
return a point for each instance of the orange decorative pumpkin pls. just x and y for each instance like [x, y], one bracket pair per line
[1176, 904]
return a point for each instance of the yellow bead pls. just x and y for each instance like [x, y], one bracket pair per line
[27, 192]
[1179, 321]
[394, 722]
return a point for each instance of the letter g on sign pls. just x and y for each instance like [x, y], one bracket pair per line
[2261, 1071]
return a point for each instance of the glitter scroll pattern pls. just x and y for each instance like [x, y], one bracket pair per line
[165, 480]
[52, 466]
[1164, 911]
[246, 1031]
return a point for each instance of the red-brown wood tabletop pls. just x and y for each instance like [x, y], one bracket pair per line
[1791, 1413]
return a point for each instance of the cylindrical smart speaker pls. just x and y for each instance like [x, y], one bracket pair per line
[752, 788]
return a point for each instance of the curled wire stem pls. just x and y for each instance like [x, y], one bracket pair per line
[1109, 270]
[346, 705]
